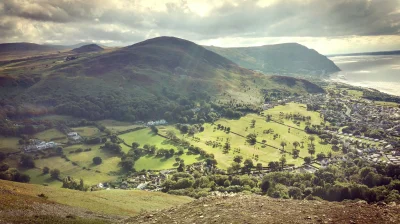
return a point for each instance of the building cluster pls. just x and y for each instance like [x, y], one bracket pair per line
[159, 122]
[74, 137]
[37, 145]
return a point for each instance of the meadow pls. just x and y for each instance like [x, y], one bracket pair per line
[146, 136]
[9, 144]
[243, 127]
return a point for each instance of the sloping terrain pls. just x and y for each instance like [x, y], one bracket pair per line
[88, 48]
[289, 58]
[260, 209]
[141, 81]
[21, 202]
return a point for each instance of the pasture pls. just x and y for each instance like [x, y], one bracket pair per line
[273, 133]
[147, 137]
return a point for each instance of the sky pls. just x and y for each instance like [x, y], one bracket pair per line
[328, 26]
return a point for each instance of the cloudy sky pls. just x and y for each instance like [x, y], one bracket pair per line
[328, 26]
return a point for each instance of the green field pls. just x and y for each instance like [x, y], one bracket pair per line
[50, 135]
[87, 131]
[145, 136]
[9, 144]
[242, 127]
[118, 126]
[83, 160]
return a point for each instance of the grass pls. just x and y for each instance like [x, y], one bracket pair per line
[82, 159]
[112, 202]
[51, 134]
[389, 104]
[87, 131]
[146, 136]
[9, 144]
[242, 127]
[118, 126]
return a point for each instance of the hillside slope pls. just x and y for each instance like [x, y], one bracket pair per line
[143, 81]
[20, 202]
[260, 209]
[284, 59]
[88, 48]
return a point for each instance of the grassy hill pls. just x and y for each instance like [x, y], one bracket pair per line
[88, 48]
[20, 203]
[289, 58]
[138, 82]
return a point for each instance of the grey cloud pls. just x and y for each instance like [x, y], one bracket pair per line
[316, 18]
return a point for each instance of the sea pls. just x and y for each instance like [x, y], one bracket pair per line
[381, 72]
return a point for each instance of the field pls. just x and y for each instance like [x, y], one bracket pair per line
[112, 202]
[87, 131]
[50, 135]
[242, 127]
[84, 167]
[9, 144]
[145, 136]
[118, 126]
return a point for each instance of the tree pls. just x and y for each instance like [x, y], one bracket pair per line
[97, 160]
[296, 144]
[46, 170]
[259, 167]
[273, 166]
[154, 129]
[248, 164]
[4, 167]
[55, 174]
[283, 144]
[307, 160]
[295, 153]
[171, 134]
[251, 138]
[311, 150]
[238, 159]
[320, 156]
[235, 166]
[127, 163]
[135, 145]
[282, 160]
[265, 184]
[311, 138]
[26, 161]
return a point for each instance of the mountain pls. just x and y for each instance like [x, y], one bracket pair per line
[397, 52]
[142, 81]
[20, 47]
[284, 59]
[88, 48]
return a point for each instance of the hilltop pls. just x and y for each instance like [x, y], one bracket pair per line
[141, 81]
[288, 58]
[88, 48]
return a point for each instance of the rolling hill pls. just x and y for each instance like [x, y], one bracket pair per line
[288, 59]
[88, 48]
[141, 81]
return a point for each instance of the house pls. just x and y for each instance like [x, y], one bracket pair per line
[74, 136]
